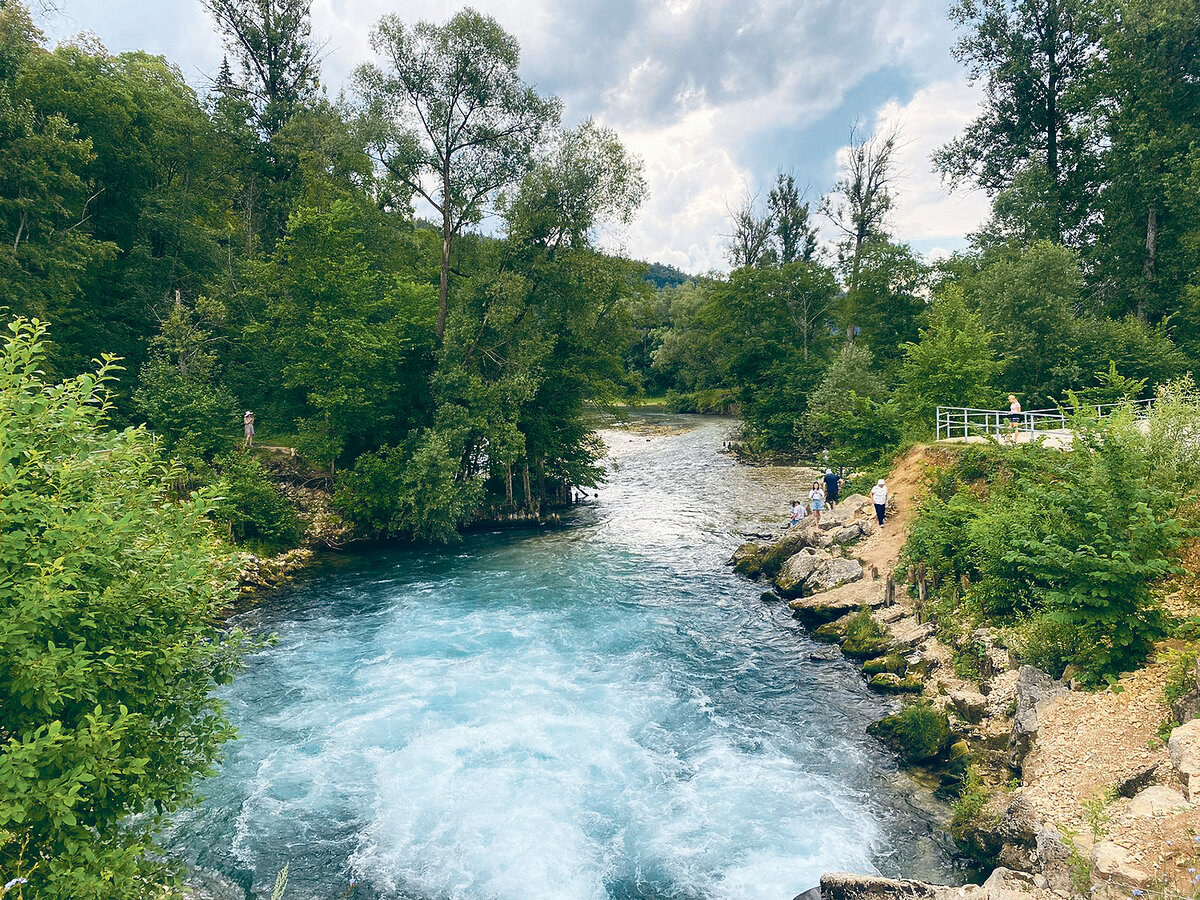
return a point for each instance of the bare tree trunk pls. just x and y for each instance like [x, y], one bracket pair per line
[528, 489]
[1151, 243]
[508, 490]
[444, 284]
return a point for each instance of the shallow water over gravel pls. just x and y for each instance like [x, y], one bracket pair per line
[595, 711]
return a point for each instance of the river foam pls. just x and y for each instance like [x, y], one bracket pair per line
[603, 711]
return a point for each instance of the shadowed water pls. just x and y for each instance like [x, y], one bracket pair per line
[598, 711]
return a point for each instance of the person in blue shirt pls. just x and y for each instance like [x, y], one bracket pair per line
[832, 486]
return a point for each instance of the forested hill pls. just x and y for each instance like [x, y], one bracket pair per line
[255, 248]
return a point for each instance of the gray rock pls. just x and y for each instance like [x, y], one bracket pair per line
[845, 886]
[797, 569]
[970, 706]
[1184, 748]
[1034, 687]
[1055, 858]
[813, 893]
[1005, 884]
[846, 533]
[832, 573]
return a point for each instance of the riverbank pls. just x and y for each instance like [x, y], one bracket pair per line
[1065, 792]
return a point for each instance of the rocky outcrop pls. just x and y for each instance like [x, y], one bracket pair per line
[797, 570]
[258, 574]
[1002, 884]
[833, 573]
[1034, 687]
[1184, 748]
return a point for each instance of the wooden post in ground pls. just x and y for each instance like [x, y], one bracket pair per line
[889, 591]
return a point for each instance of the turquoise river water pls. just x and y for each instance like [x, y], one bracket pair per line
[601, 710]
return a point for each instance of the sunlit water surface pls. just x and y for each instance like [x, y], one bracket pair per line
[596, 711]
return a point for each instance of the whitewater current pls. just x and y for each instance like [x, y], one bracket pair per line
[598, 710]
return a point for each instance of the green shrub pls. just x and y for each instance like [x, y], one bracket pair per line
[412, 491]
[252, 508]
[108, 656]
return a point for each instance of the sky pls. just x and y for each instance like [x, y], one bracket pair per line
[714, 96]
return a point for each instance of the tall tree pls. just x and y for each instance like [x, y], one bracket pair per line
[795, 237]
[272, 43]
[1151, 82]
[1036, 59]
[749, 244]
[861, 198]
[457, 124]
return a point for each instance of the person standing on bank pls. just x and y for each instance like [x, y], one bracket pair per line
[817, 497]
[879, 496]
[248, 428]
[832, 487]
[1014, 415]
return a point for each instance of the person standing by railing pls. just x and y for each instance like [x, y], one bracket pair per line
[1014, 416]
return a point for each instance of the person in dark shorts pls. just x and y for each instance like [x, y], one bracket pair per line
[832, 486]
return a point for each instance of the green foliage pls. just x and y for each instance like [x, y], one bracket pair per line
[1027, 300]
[252, 508]
[952, 364]
[971, 823]
[847, 412]
[412, 491]
[1065, 548]
[108, 657]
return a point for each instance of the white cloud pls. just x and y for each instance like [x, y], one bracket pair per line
[926, 210]
[713, 94]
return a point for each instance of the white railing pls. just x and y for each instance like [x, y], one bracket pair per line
[960, 422]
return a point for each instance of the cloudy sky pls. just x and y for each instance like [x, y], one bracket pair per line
[715, 96]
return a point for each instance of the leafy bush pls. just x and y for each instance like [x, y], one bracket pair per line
[108, 656]
[412, 490]
[971, 825]
[1065, 546]
[250, 505]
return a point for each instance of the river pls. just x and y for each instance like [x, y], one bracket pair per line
[599, 710]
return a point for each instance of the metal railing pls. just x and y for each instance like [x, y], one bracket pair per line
[961, 422]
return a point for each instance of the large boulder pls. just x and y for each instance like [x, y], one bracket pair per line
[1157, 800]
[1034, 688]
[845, 886]
[747, 559]
[833, 573]
[1113, 862]
[1184, 748]
[848, 509]
[797, 569]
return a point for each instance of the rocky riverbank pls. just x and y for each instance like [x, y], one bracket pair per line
[1064, 792]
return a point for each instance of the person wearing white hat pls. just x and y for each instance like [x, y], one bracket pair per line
[248, 427]
[879, 496]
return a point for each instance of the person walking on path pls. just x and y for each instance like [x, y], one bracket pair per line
[1014, 415]
[879, 496]
[248, 428]
[832, 487]
[817, 497]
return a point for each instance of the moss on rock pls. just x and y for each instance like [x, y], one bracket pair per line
[891, 683]
[919, 732]
[892, 662]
